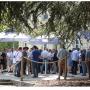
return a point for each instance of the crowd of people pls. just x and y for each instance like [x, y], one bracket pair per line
[35, 59]
[77, 60]
[10, 60]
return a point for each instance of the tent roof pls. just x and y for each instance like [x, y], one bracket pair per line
[10, 37]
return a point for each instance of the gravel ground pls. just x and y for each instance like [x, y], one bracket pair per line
[52, 83]
[46, 80]
[65, 83]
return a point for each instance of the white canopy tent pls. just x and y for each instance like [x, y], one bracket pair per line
[11, 37]
[23, 38]
[54, 41]
[44, 41]
[38, 41]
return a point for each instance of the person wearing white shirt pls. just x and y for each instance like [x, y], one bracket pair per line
[50, 55]
[44, 55]
[9, 60]
[30, 55]
[14, 56]
[75, 60]
[18, 57]
[75, 55]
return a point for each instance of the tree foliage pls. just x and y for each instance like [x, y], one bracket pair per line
[8, 45]
[66, 18]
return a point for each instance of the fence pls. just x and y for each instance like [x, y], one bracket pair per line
[29, 60]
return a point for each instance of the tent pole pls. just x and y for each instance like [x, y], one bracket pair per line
[45, 61]
[65, 74]
[13, 45]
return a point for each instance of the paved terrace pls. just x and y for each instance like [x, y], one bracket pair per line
[42, 77]
[10, 76]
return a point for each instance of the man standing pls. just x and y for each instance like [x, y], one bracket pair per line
[88, 61]
[18, 57]
[9, 60]
[75, 60]
[35, 58]
[4, 59]
[30, 57]
[54, 58]
[25, 54]
[83, 64]
[62, 54]
[44, 56]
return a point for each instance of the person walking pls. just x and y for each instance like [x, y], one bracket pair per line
[62, 54]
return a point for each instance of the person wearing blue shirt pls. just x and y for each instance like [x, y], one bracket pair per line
[35, 58]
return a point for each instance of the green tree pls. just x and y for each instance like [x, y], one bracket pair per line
[66, 18]
[8, 45]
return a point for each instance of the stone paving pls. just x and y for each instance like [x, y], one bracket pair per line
[34, 81]
[10, 76]
[28, 81]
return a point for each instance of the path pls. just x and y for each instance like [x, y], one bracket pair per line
[42, 77]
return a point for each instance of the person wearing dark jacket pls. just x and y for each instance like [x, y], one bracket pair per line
[88, 61]
[24, 54]
[83, 64]
[4, 60]
[54, 65]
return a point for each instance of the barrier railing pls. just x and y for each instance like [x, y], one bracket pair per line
[43, 62]
[65, 74]
[21, 69]
[10, 67]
